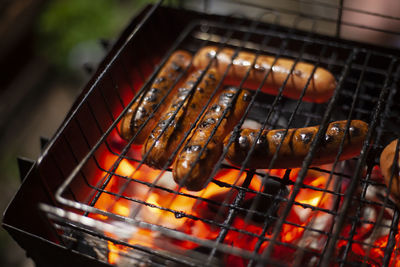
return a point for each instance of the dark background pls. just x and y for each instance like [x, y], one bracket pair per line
[45, 47]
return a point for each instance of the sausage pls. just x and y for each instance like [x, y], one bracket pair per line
[144, 106]
[296, 145]
[319, 90]
[386, 164]
[194, 177]
[161, 145]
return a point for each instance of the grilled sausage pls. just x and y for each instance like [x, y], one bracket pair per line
[144, 106]
[161, 145]
[296, 145]
[319, 90]
[386, 165]
[194, 175]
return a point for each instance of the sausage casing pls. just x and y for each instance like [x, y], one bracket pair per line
[296, 145]
[195, 175]
[319, 90]
[144, 106]
[386, 165]
[169, 131]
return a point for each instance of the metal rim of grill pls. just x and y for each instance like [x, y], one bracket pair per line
[365, 90]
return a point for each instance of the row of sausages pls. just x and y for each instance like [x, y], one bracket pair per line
[162, 127]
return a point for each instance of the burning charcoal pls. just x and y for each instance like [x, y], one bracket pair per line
[265, 204]
[313, 239]
[377, 193]
[354, 259]
[215, 210]
[373, 220]
[287, 255]
[259, 207]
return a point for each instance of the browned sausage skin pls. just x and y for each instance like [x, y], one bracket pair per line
[170, 129]
[144, 106]
[386, 165]
[194, 177]
[296, 145]
[319, 90]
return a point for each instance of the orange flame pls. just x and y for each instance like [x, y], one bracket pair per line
[113, 252]
[164, 207]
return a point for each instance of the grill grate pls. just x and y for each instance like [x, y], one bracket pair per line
[366, 86]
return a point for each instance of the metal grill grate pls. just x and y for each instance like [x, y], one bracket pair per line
[367, 80]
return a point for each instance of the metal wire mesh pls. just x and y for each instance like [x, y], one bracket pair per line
[367, 80]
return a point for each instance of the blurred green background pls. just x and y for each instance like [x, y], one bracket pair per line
[65, 24]
[43, 49]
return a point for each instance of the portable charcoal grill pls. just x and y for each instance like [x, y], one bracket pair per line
[89, 199]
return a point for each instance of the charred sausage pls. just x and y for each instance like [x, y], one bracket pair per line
[319, 90]
[144, 106]
[171, 128]
[387, 164]
[296, 145]
[194, 175]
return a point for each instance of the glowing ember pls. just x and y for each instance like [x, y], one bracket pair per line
[181, 210]
[114, 250]
[160, 205]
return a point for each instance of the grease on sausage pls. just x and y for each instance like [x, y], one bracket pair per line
[319, 90]
[194, 175]
[296, 145]
[145, 105]
[170, 129]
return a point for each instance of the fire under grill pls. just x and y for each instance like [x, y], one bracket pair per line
[104, 205]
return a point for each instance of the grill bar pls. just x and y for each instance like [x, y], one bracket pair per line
[352, 63]
[347, 201]
[357, 93]
[339, 19]
[254, 204]
[307, 160]
[268, 221]
[240, 196]
[81, 223]
[321, 18]
[117, 163]
[222, 45]
[79, 166]
[294, 54]
[113, 126]
[392, 239]
[231, 215]
[83, 101]
[289, 123]
[241, 122]
[354, 224]
[233, 207]
[394, 226]
[245, 39]
[68, 227]
[349, 117]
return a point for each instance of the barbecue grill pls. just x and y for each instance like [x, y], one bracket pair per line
[90, 199]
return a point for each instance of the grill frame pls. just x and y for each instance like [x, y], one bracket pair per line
[46, 154]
